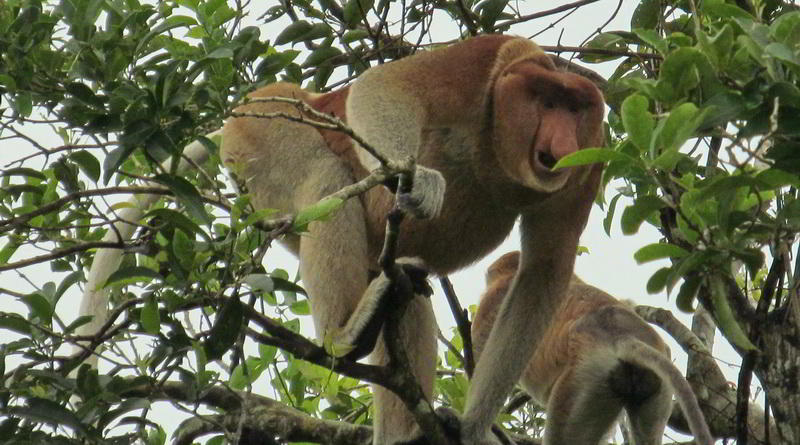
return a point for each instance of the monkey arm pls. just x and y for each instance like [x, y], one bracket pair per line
[391, 120]
[526, 312]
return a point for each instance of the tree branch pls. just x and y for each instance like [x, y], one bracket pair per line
[463, 324]
[716, 396]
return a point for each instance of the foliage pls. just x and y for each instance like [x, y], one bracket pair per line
[703, 131]
[730, 79]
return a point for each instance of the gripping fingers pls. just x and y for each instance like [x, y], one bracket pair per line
[417, 273]
[427, 194]
[358, 337]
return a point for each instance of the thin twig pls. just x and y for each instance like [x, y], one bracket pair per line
[463, 324]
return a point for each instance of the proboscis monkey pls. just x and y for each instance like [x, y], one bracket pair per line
[596, 358]
[486, 120]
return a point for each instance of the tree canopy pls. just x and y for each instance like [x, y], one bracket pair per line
[703, 144]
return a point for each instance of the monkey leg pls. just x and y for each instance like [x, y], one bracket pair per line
[333, 256]
[581, 408]
[334, 264]
[649, 419]
[393, 422]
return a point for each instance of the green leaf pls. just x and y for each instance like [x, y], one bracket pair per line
[9, 249]
[687, 293]
[354, 34]
[23, 103]
[300, 308]
[657, 251]
[717, 187]
[259, 281]
[39, 306]
[634, 215]
[490, 11]
[285, 285]
[88, 164]
[320, 55]
[221, 53]
[668, 159]
[356, 10]
[782, 53]
[775, 178]
[612, 207]
[23, 171]
[255, 366]
[267, 353]
[752, 258]
[182, 245]
[722, 45]
[114, 159]
[591, 156]
[187, 194]
[646, 15]
[651, 37]
[318, 31]
[84, 94]
[226, 329]
[638, 121]
[293, 32]
[658, 281]
[46, 411]
[679, 126]
[683, 70]
[726, 321]
[258, 215]
[150, 318]
[126, 406]
[723, 10]
[132, 274]
[178, 220]
[274, 63]
[175, 21]
[66, 283]
[321, 211]
[14, 322]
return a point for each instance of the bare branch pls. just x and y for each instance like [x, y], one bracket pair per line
[463, 324]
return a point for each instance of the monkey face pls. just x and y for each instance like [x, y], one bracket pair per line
[540, 116]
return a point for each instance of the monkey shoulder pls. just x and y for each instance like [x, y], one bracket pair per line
[455, 77]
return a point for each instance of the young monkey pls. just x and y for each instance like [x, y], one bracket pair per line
[596, 358]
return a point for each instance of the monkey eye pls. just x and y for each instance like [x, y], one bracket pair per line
[549, 104]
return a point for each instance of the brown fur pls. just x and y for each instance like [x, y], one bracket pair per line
[451, 109]
[582, 369]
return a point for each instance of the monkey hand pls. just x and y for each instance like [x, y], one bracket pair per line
[494, 437]
[427, 194]
[488, 439]
[358, 337]
[417, 272]
[450, 421]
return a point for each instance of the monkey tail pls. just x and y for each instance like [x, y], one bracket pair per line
[107, 260]
[639, 353]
